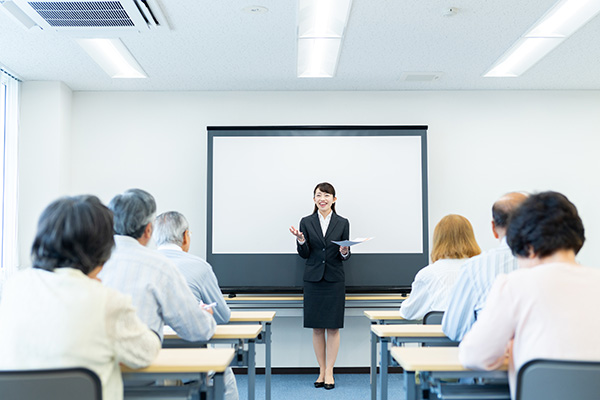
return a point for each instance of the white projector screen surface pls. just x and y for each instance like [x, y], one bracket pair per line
[261, 182]
[264, 184]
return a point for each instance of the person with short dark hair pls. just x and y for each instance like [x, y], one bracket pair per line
[54, 316]
[477, 274]
[159, 291]
[453, 244]
[530, 312]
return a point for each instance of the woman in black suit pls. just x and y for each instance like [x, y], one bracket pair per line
[324, 286]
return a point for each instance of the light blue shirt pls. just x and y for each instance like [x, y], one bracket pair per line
[158, 290]
[470, 291]
[200, 278]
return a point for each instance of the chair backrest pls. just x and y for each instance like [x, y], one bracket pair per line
[558, 380]
[50, 384]
[433, 318]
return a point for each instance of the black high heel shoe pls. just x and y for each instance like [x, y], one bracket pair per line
[319, 384]
[329, 386]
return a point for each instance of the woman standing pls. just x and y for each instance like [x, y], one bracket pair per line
[324, 286]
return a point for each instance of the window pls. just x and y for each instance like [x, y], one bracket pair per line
[9, 106]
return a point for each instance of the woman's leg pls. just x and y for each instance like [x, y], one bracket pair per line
[333, 345]
[319, 345]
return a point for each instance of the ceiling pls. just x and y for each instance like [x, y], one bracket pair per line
[214, 45]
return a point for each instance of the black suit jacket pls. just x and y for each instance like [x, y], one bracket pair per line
[323, 258]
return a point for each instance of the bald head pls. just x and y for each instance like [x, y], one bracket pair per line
[503, 209]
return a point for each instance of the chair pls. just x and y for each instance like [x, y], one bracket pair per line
[433, 318]
[50, 384]
[558, 380]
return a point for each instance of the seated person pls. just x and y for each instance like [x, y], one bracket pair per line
[453, 243]
[172, 235]
[545, 308]
[58, 315]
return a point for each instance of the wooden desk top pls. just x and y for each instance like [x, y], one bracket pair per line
[408, 330]
[252, 316]
[187, 360]
[225, 332]
[376, 315]
[430, 359]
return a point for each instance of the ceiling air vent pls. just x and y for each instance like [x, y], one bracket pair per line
[420, 76]
[95, 16]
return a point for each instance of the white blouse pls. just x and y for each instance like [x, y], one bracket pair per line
[431, 288]
[65, 319]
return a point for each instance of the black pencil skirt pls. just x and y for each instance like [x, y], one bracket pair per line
[324, 304]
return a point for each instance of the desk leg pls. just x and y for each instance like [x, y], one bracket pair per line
[385, 362]
[219, 386]
[251, 369]
[373, 366]
[410, 385]
[267, 361]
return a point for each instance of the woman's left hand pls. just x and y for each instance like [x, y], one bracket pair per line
[344, 250]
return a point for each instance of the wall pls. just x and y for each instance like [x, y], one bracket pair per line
[481, 145]
[44, 154]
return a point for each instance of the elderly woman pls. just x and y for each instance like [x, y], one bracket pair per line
[453, 243]
[58, 315]
[545, 309]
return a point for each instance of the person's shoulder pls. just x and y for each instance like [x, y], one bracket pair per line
[343, 219]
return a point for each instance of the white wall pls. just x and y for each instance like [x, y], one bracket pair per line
[481, 145]
[44, 154]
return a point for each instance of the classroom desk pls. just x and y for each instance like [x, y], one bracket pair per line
[265, 318]
[385, 317]
[403, 334]
[191, 364]
[232, 334]
[436, 363]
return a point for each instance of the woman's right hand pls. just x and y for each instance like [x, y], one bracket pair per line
[299, 235]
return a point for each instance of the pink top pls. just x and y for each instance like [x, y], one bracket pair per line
[548, 311]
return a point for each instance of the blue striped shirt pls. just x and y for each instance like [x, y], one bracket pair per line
[158, 290]
[472, 286]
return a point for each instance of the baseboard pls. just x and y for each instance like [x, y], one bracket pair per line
[314, 370]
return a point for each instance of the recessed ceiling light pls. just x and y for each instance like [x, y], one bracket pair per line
[255, 9]
[561, 21]
[113, 57]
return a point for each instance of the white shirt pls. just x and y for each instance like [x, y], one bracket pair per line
[547, 311]
[431, 288]
[324, 221]
[64, 319]
[159, 291]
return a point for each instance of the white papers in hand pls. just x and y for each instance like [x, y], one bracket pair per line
[348, 243]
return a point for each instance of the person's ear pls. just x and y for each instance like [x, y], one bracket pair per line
[148, 231]
[496, 235]
[187, 239]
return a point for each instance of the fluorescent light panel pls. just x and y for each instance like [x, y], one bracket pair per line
[321, 26]
[113, 57]
[561, 21]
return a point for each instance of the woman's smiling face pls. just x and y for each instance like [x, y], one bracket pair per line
[324, 201]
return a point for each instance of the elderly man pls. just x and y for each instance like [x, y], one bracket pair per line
[477, 275]
[172, 235]
[159, 291]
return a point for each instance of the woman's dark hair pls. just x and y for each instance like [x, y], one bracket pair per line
[543, 224]
[73, 232]
[326, 188]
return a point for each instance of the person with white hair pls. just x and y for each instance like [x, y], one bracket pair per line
[172, 235]
[159, 291]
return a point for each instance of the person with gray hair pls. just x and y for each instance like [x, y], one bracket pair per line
[172, 235]
[158, 290]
